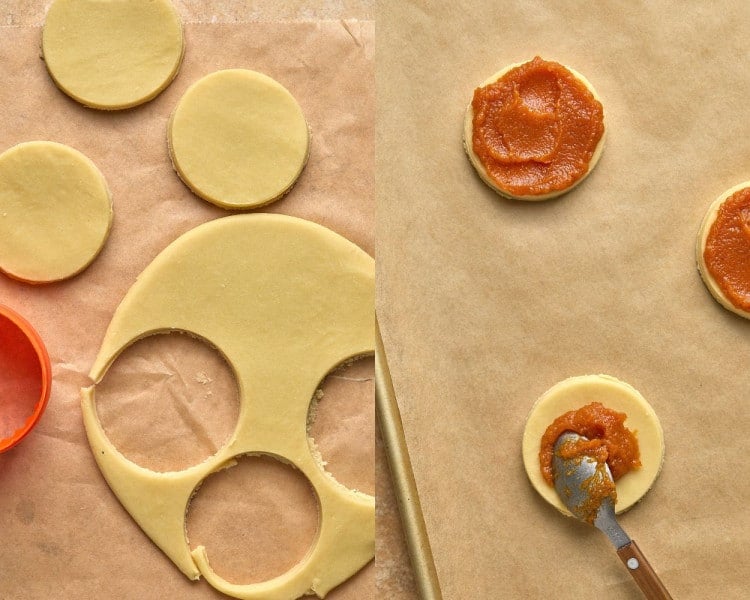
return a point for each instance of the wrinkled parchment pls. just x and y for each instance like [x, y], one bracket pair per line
[64, 533]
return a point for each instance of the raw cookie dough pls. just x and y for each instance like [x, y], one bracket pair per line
[55, 212]
[285, 301]
[703, 235]
[238, 139]
[468, 140]
[572, 394]
[112, 54]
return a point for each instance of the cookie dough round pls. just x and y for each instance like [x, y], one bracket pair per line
[115, 54]
[575, 392]
[238, 139]
[55, 212]
[703, 234]
[468, 137]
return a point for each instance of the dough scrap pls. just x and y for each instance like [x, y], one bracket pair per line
[477, 163]
[575, 392]
[700, 248]
[285, 301]
[115, 54]
[238, 139]
[55, 212]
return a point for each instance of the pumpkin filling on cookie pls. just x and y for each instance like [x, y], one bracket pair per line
[608, 440]
[727, 249]
[536, 129]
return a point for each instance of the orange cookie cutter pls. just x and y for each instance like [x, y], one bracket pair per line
[25, 378]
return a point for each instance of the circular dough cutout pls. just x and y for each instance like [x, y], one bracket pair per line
[575, 392]
[700, 248]
[477, 163]
[115, 54]
[238, 139]
[168, 401]
[55, 212]
[341, 424]
[257, 519]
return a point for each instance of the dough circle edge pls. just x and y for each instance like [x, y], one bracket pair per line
[209, 195]
[96, 245]
[345, 540]
[574, 392]
[705, 228]
[468, 136]
[48, 55]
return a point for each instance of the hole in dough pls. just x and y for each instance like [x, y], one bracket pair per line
[257, 519]
[341, 424]
[168, 402]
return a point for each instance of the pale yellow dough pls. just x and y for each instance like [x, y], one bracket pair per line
[55, 212]
[575, 392]
[700, 247]
[482, 172]
[112, 54]
[285, 301]
[238, 139]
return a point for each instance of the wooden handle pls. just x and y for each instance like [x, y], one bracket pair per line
[643, 573]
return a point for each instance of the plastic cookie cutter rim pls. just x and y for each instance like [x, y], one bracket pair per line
[45, 375]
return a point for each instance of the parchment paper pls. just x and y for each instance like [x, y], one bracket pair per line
[64, 534]
[485, 303]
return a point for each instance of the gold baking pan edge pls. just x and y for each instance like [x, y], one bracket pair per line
[410, 509]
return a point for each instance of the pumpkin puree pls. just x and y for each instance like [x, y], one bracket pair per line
[536, 128]
[608, 440]
[727, 251]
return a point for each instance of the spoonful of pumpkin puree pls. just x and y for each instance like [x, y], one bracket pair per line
[583, 468]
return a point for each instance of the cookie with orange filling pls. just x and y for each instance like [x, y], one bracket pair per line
[622, 427]
[723, 249]
[534, 131]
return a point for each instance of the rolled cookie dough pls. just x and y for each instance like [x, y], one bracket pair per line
[285, 301]
[477, 163]
[238, 139]
[700, 247]
[55, 212]
[112, 54]
[575, 392]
